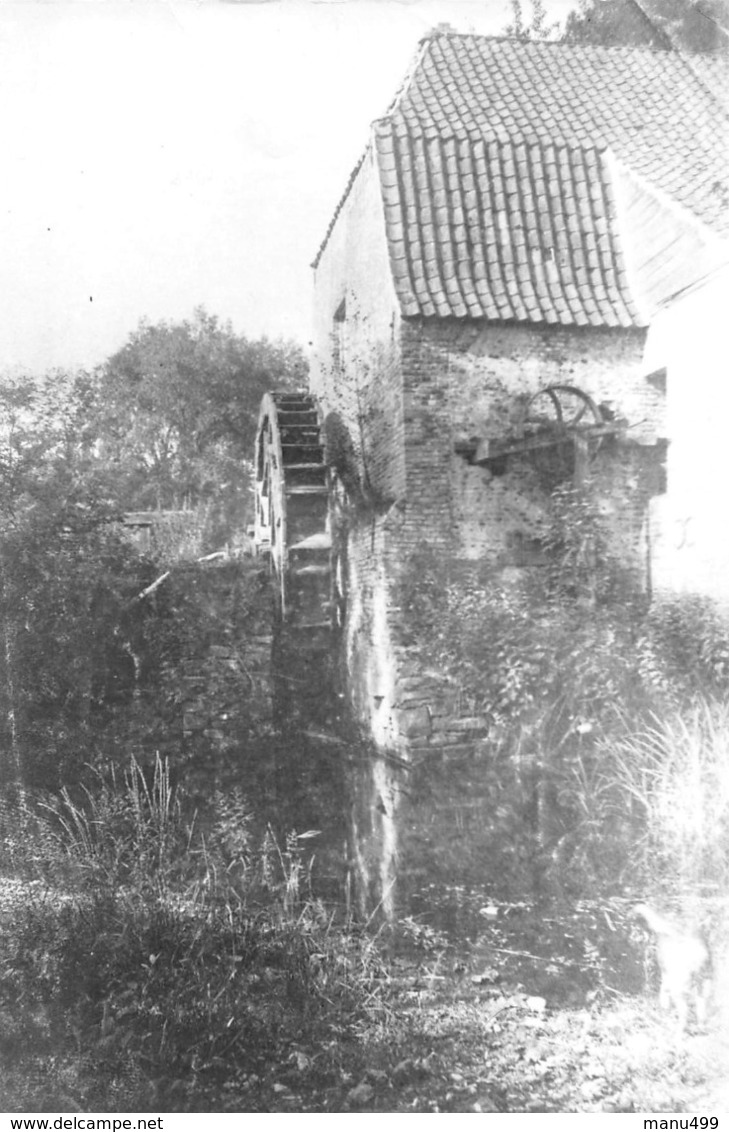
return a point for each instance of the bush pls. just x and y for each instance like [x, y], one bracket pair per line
[158, 1005]
[684, 649]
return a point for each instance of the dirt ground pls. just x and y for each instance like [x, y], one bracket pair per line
[521, 1008]
[505, 1050]
[517, 1008]
[513, 1007]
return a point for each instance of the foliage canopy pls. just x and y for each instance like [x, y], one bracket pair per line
[661, 25]
[167, 422]
[176, 414]
[695, 26]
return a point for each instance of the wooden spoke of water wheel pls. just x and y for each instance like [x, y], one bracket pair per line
[574, 421]
[293, 514]
[563, 408]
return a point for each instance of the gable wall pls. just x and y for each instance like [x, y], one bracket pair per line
[355, 366]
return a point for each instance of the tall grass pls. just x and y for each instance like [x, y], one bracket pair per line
[650, 804]
[676, 776]
[173, 969]
[124, 832]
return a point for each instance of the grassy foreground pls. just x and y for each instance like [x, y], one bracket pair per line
[147, 966]
[118, 1006]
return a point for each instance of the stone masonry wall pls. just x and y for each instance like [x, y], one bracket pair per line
[235, 653]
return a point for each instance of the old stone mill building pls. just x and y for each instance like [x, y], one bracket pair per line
[524, 282]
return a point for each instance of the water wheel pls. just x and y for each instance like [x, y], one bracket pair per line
[563, 408]
[293, 522]
[570, 428]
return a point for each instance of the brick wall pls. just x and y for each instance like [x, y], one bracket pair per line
[461, 381]
[465, 380]
[471, 380]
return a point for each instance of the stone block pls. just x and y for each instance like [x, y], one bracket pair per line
[458, 753]
[416, 683]
[413, 723]
[442, 739]
[469, 723]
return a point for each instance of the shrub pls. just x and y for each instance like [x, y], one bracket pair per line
[158, 1004]
[684, 648]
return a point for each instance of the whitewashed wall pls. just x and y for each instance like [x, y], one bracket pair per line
[690, 523]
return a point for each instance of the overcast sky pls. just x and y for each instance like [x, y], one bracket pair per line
[156, 155]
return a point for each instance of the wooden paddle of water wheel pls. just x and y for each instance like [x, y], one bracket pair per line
[294, 531]
[296, 536]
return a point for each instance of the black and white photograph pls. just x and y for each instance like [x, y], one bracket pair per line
[364, 560]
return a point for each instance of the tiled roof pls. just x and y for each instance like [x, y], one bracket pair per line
[496, 187]
[649, 107]
[502, 230]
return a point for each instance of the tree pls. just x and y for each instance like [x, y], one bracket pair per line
[177, 410]
[66, 580]
[535, 28]
[663, 25]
